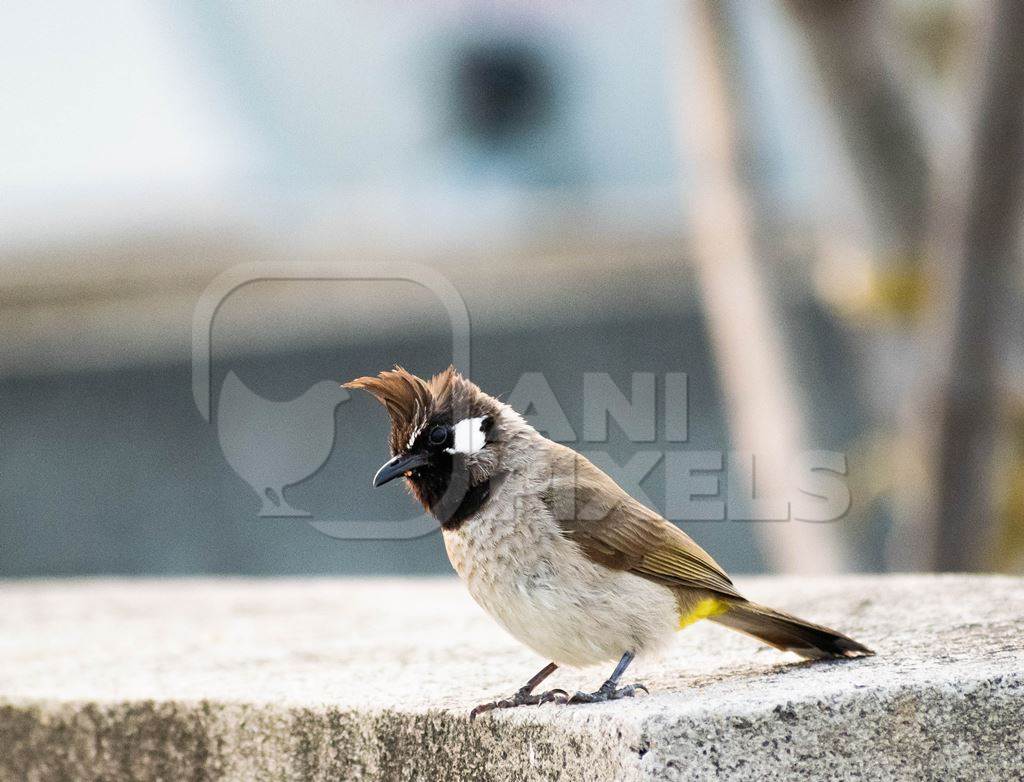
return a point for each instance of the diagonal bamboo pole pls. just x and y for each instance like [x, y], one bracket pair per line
[745, 329]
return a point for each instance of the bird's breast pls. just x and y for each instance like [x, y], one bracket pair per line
[542, 589]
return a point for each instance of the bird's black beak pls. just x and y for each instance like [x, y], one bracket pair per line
[399, 465]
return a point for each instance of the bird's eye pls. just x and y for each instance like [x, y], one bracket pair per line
[438, 435]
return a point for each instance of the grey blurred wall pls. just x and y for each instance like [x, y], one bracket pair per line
[116, 472]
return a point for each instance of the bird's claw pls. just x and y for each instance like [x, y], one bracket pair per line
[521, 698]
[608, 692]
[553, 696]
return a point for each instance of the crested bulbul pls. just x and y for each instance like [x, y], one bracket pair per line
[554, 549]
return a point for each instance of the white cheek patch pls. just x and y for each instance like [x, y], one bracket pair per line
[468, 436]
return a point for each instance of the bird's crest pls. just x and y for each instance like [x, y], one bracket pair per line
[412, 402]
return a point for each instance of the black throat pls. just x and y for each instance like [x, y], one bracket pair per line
[452, 511]
[450, 496]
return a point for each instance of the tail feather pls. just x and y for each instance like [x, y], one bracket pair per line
[788, 633]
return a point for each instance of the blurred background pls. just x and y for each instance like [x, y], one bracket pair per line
[810, 208]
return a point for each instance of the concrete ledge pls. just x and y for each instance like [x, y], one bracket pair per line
[337, 679]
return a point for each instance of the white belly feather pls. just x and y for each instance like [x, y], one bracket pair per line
[549, 596]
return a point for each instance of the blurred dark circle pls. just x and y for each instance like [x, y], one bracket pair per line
[502, 90]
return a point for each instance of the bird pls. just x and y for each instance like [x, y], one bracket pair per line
[276, 444]
[553, 549]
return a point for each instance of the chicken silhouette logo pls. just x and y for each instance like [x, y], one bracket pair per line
[275, 445]
[272, 445]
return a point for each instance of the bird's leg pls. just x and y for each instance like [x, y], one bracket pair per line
[524, 695]
[610, 691]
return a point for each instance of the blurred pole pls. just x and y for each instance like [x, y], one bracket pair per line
[886, 140]
[958, 516]
[874, 109]
[744, 327]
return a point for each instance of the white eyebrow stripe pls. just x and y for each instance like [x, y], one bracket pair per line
[469, 438]
[413, 436]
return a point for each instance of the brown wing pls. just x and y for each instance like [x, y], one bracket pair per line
[614, 529]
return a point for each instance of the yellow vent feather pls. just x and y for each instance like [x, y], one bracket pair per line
[705, 609]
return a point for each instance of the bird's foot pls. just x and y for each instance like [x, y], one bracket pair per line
[608, 692]
[523, 697]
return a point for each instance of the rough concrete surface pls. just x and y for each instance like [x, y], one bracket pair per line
[364, 679]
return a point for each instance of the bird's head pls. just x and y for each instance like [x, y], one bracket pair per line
[448, 438]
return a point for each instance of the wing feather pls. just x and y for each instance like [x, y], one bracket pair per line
[614, 529]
